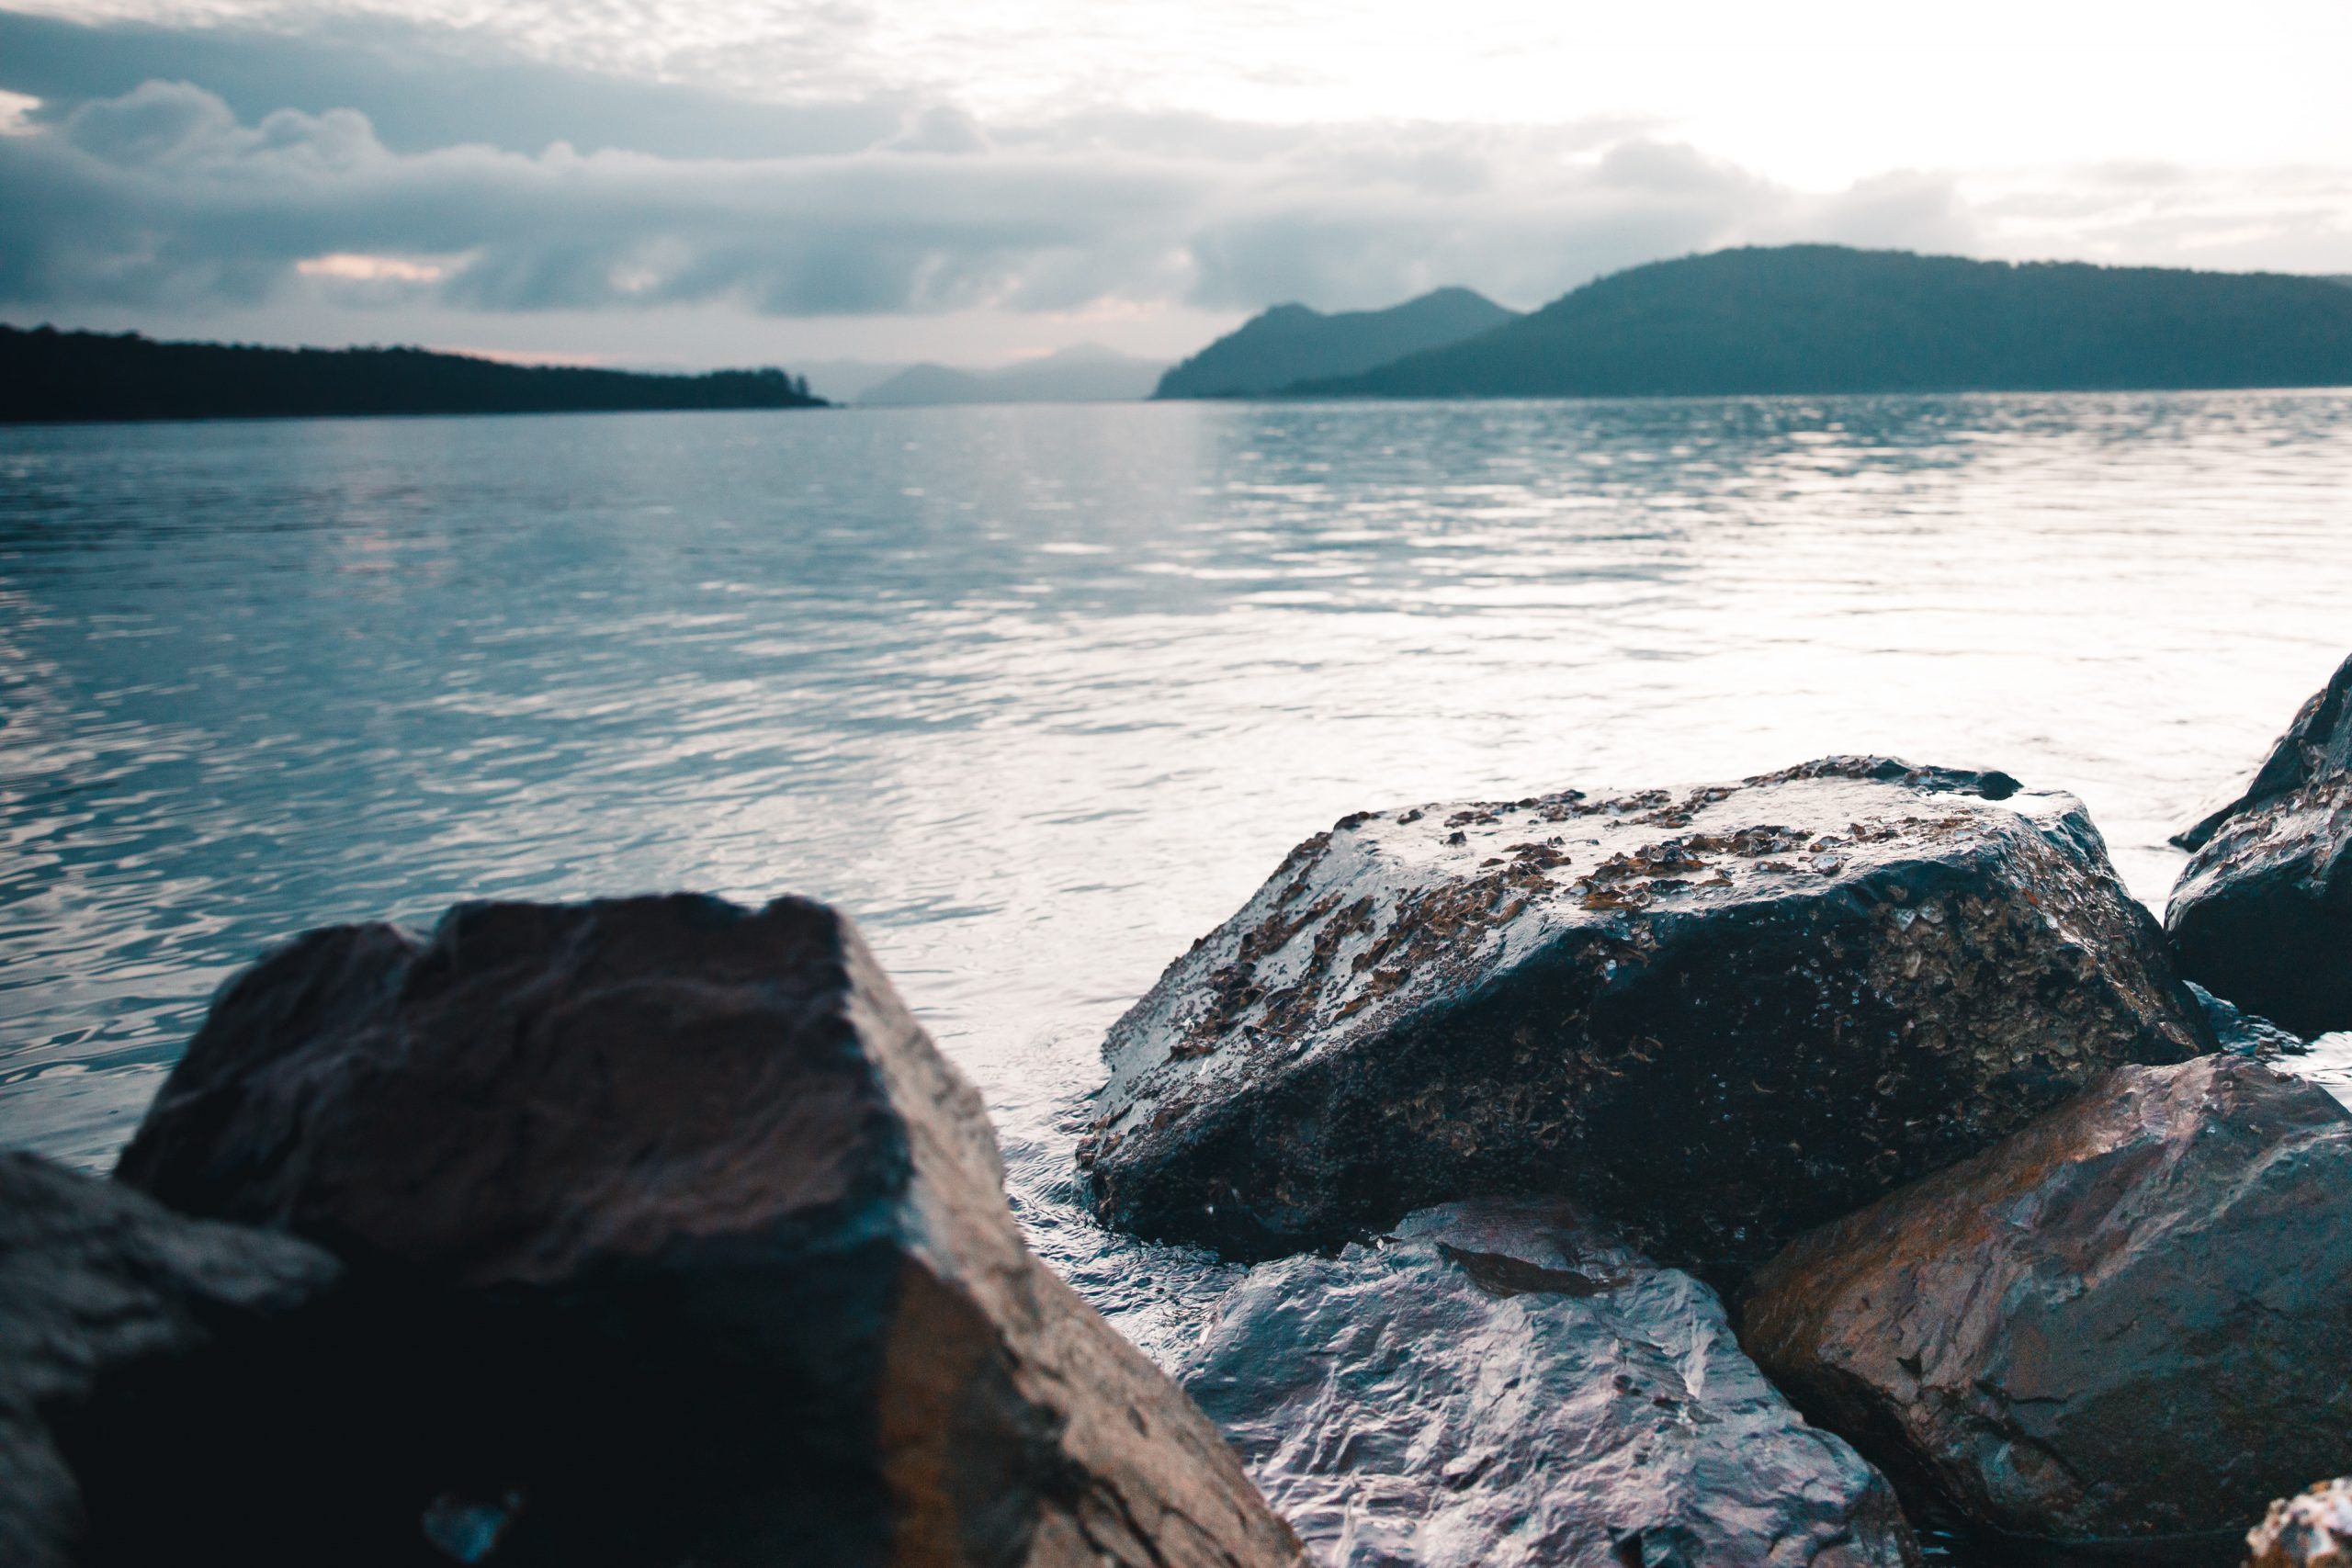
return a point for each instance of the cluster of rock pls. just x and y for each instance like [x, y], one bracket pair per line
[2056, 1240]
[656, 1231]
[647, 1232]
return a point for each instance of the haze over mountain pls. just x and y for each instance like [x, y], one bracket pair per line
[47, 375]
[1087, 373]
[1292, 343]
[1824, 319]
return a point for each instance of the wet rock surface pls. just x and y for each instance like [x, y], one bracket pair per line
[684, 1244]
[115, 1311]
[2317, 746]
[1501, 1382]
[2243, 1033]
[2262, 915]
[1719, 1014]
[2311, 1530]
[2124, 1328]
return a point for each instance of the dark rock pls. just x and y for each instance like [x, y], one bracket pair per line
[2243, 1034]
[2262, 915]
[2311, 1530]
[1720, 1014]
[2317, 746]
[690, 1247]
[2126, 1327]
[1502, 1383]
[108, 1302]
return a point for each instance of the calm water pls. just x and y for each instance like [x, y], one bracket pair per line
[1040, 694]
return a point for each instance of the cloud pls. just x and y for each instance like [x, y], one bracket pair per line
[162, 195]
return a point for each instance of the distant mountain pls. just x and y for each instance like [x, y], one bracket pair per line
[1819, 319]
[1087, 372]
[46, 374]
[1291, 343]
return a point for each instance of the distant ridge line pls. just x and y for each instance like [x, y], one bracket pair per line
[1823, 320]
[53, 376]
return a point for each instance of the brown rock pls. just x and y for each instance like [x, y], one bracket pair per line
[692, 1246]
[2126, 1326]
[2311, 1530]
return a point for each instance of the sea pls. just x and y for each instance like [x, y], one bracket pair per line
[1041, 693]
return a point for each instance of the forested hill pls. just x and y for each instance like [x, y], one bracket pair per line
[1291, 343]
[1821, 318]
[49, 374]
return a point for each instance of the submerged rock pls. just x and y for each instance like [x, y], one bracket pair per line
[2311, 1530]
[1720, 1014]
[123, 1327]
[2125, 1326]
[2263, 913]
[2316, 746]
[1501, 1384]
[688, 1245]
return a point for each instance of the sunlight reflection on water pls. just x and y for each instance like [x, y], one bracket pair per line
[1040, 694]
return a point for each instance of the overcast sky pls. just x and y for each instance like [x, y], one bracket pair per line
[700, 182]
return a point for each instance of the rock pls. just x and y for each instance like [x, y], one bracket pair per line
[2317, 746]
[690, 1247]
[1720, 1015]
[1501, 1383]
[2313, 1529]
[2243, 1034]
[2125, 1325]
[111, 1306]
[2263, 913]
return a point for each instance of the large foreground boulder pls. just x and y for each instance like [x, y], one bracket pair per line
[2316, 746]
[2262, 915]
[2126, 1326]
[1719, 1014]
[690, 1247]
[117, 1315]
[1502, 1385]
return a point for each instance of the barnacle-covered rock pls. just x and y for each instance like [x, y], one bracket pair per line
[687, 1245]
[1720, 1014]
[2123, 1327]
[1503, 1384]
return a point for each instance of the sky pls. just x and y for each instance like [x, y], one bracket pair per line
[694, 182]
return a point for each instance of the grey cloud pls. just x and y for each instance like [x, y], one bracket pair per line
[163, 195]
[420, 90]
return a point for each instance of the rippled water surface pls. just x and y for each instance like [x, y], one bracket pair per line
[1041, 693]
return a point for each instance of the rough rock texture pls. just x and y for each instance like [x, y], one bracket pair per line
[2126, 1325]
[2311, 1529]
[109, 1305]
[2241, 1032]
[2317, 746]
[2262, 915]
[1721, 1014]
[694, 1249]
[1502, 1384]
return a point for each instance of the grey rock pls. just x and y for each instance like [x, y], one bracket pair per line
[2316, 746]
[1502, 1383]
[106, 1299]
[1718, 1014]
[2241, 1033]
[2125, 1329]
[685, 1245]
[2262, 915]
